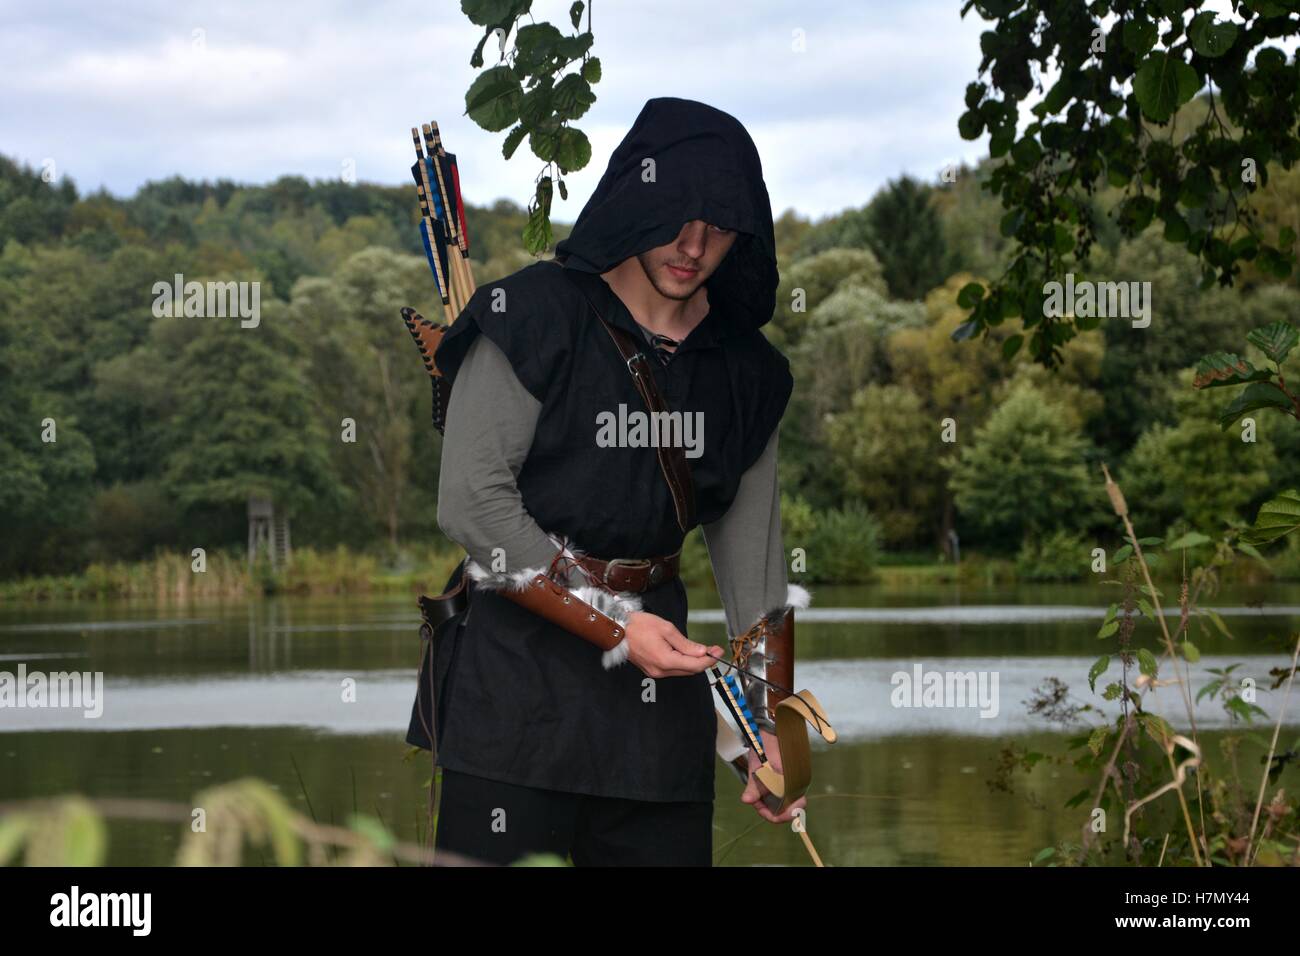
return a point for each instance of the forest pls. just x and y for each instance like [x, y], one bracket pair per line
[901, 445]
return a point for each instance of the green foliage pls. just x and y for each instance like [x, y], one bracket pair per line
[530, 93]
[1122, 73]
[808, 283]
[80, 345]
[1059, 555]
[45, 457]
[843, 546]
[1275, 341]
[907, 238]
[1024, 472]
[1177, 470]
[901, 228]
[64, 832]
[1277, 518]
[882, 447]
[244, 420]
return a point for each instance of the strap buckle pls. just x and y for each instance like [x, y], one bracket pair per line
[633, 358]
[623, 562]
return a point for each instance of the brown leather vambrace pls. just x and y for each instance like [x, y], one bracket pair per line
[597, 616]
[557, 604]
[766, 652]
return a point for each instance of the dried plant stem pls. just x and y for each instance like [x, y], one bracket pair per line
[1121, 509]
[1105, 778]
[1272, 748]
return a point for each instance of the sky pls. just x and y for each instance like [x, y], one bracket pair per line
[119, 93]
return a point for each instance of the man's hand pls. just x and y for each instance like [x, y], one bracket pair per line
[660, 650]
[754, 791]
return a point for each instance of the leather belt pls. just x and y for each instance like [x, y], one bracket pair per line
[635, 575]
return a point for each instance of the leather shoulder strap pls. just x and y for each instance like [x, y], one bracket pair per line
[672, 460]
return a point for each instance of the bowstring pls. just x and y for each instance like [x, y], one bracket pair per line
[816, 721]
[566, 561]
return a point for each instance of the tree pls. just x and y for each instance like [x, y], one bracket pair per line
[844, 349]
[1186, 323]
[365, 369]
[44, 484]
[883, 449]
[246, 421]
[1124, 73]
[969, 217]
[955, 381]
[1025, 473]
[907, 238]
[1193, 469]
[850, 229]
[811, 281]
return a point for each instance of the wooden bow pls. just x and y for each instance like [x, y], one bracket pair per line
[793, 715]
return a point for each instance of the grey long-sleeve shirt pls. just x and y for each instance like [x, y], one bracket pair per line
[490, 425]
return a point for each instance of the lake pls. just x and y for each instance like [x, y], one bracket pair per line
[201, 694]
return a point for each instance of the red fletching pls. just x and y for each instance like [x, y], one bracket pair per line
[460, 203]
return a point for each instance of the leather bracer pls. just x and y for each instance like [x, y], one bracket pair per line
[765, 652]
[595, 615]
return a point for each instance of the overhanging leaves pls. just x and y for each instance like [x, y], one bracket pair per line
[1254, 396]
[493, 99]
[1276, 519]
[1275, 340]
[1109, 73]
[1226, 368]
[531, 93]
[1209, 38]
[1163, 83]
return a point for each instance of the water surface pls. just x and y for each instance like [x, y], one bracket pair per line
[201, 694]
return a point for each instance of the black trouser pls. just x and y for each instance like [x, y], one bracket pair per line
[501, 822]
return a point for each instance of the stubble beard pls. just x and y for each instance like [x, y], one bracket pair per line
[652, 270]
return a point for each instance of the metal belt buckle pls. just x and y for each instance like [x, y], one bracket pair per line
[624, 562]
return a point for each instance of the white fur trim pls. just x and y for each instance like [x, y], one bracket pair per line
[798, 597]
[618, 606]
[615, 655]
[500, 580]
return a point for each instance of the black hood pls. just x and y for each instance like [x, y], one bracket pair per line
[706, 167]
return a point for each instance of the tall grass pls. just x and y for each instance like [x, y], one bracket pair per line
[170, 577]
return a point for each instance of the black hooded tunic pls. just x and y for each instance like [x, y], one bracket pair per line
[520, 700]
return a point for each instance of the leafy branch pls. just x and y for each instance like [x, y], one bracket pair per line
[529, 90]
[1126, 68]
[1264, 388]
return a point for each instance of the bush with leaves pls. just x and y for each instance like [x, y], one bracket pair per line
[1024, 473]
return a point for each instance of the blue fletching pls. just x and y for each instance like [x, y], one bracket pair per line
[433, 188]
[428, 251]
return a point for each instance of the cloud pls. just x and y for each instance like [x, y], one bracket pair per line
[299, 88]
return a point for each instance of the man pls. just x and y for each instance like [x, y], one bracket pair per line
[547, 743]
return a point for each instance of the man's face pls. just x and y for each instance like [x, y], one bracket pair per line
[680, 267]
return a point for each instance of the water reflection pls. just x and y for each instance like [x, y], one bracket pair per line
[207, 694]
